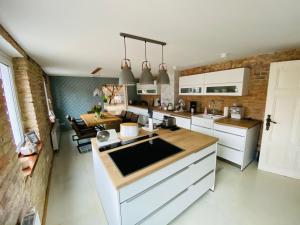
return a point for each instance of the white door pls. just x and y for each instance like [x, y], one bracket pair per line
[280, 149]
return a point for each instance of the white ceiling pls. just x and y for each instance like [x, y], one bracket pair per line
[72, 37]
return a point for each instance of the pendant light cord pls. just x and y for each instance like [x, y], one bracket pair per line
[125, 47]
[162, 54]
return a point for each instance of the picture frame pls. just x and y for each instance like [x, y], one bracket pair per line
[32, 137]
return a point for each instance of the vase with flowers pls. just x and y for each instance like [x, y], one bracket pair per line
[97, 110]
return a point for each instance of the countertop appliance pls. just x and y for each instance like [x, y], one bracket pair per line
[168, 122]
[170, 107]
[193, 106]
[139, 156]
[237, 112]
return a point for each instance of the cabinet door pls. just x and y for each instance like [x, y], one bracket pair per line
[202, 130]
[231, 140]
[225, 76]
[230, 154]
[183, 122]
[191, 80]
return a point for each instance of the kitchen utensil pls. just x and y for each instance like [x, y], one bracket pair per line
[102, 135]
[170, 107]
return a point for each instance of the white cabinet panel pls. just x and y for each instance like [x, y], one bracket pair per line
[183, 122]
[226, 76]
[230, 154]
[231, 140]
[173, 208]
[159, 115]
[203, 122]
[191, 80]
[230, 129]
[203, 130]
[138, 207]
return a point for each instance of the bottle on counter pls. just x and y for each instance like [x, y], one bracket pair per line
[205, 111]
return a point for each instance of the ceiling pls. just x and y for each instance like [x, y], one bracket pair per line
[72, 37]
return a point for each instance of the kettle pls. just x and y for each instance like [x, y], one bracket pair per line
[170, 107]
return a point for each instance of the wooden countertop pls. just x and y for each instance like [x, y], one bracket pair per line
[91, 120]
[184, 114]
[243, 123]
[185, 139]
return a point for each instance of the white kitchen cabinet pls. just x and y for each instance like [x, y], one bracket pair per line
[183, 122]
[148, 89]
[160, 196]
[232, 82]
[237, 145]
[203, 130]
[138, 110]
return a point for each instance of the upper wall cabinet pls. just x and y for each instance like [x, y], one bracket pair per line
[227, 83]
[191, 85]
[148, 89]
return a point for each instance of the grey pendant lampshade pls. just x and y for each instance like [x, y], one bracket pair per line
[146, 76]
[126, 76]
[163, 77]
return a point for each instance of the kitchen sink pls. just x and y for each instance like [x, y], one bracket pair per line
[210, 116]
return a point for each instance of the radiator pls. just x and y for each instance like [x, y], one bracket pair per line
[55, 135]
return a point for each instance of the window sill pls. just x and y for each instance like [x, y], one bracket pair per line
[29, 162]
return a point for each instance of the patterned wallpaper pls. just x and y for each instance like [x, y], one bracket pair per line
[74, 95]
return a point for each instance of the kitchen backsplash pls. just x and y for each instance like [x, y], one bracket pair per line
[254, 102]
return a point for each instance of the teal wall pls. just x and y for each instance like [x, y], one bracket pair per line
[74, 95]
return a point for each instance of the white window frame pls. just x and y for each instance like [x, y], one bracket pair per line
[11, 97]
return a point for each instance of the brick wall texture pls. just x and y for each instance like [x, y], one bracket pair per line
[18, 194]
[259, 65]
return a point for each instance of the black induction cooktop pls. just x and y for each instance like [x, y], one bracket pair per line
[139, 156]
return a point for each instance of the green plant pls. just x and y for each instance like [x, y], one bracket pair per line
[97, 109]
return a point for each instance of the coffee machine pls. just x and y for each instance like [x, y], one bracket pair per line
[193, 106]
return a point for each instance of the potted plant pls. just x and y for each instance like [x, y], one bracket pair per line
[97, 110]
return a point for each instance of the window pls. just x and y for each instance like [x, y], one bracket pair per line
[11, 98]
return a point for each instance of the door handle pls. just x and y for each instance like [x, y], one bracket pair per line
[269, 121]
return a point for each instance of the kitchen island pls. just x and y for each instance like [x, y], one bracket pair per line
[159, 192]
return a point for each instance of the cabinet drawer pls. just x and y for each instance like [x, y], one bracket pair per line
[202, 130]
[138, 207]
[177, 205]
[208, 123]
[230, 154]
[183, 122]
[231, 140]
[230, 129]
[158, 115]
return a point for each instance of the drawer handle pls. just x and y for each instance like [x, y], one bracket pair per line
[230, 148]
[229, 133]
[203, 177]
[199, 160]
[154, 185]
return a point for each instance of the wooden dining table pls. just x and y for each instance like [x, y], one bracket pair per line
[91, 120]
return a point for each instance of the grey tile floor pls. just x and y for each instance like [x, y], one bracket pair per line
[251, 197]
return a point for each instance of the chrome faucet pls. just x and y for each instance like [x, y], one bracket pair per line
[212, 105]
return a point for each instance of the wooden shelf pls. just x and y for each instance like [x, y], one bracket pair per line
[30, 161]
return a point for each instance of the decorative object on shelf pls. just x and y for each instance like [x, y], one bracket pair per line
[32, 137]
[163, 77]
[126, 75]
[146, 76]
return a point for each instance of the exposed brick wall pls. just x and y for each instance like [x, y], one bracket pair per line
[17, 194]
[259, 65]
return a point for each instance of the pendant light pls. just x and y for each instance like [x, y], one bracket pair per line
[163, 77]
[146, 76]
[126, 75]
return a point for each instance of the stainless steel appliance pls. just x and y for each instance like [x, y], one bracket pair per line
[237, 112]
[169, 122]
